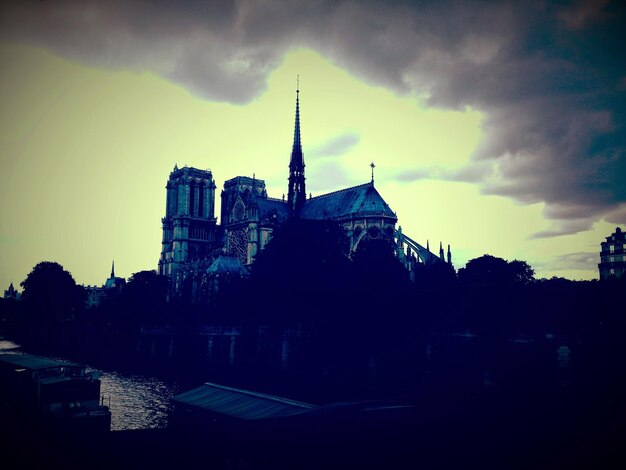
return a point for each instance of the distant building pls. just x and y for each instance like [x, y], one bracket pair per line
[114, 282]
[95, 294]
[612, 256]
[12, 293]
[196, 251]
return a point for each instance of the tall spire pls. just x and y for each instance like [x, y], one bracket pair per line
[296, 196]
[449, 256]
[113, 269]
[297, 158]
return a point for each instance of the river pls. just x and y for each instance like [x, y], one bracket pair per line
[136, 401]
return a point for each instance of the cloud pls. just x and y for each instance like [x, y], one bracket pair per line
[335, 146]
[327, 175]
[579, 261]
[473, 173]
[564, 227]
[548, 76]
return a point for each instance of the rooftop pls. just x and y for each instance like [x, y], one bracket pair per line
[27, 361]
[225, 264]
[239, 404]
[363, 199]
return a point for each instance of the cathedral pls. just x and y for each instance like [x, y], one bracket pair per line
[197, 251]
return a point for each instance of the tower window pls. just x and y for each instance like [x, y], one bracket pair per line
[192, 198]
[201, 200]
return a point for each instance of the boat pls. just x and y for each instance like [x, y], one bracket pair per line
[62, 395]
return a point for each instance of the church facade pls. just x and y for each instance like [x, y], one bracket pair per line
[195, 248]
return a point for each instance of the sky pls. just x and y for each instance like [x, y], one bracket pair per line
[495, 127]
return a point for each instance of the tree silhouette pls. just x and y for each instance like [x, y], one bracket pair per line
[303, 254]
[303, 270]
[144, 296]
[490, 270]
[435, 275]
[377, 268]
[521, 272]
[50, 291]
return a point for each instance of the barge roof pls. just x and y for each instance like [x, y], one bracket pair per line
[30, 362]
[240, 404]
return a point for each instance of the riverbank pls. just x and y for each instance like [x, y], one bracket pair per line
[469, 435]
[516, 427]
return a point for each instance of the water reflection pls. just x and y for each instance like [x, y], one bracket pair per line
[8, 346]
[136, 402]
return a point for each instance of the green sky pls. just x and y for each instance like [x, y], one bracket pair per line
[86, 152]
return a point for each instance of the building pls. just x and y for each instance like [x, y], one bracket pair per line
[95, 294]
[114, 282]
[612, 256]
[12, 293]
[193, 240]
[190, 232]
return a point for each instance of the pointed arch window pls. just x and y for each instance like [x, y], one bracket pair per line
[192, 198]
[201, 200]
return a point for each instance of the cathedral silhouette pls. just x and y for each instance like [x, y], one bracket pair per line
[197, 251]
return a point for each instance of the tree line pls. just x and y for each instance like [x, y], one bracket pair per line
[304, 276]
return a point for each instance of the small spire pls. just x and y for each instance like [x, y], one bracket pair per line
[427, 245]
[372, 166]
[441, 251]
[449, 256]
[113, 269]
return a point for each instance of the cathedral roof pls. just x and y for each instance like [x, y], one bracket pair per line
[362, 200]
[225, 264]
[114, 281]
[270, 207]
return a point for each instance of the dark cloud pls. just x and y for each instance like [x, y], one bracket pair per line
[548, 76]
[564, 227]
[580, 261]
[335, 146]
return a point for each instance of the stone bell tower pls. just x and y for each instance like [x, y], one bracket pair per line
[189, 225]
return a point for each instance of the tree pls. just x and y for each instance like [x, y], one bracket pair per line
[378, 268]
[146, 291]
[50, 290]
[521, 272]
[303, 269]
[433, 276]
[304, 254]
[486, 269]
[496, 271]
[147, 284]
